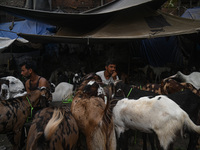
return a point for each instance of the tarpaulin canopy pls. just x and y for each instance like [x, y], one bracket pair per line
[118, 5]
[74, 20]
[160, 51]
[86, 20]
[136, 22]
[8, 31]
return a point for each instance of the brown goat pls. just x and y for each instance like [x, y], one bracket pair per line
[169, 86]
[53, 129]
[150, 87]
[14, 113]
[93, 116]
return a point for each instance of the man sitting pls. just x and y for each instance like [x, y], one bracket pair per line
[109, 75]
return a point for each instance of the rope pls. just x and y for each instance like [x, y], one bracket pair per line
[31, 108]
[67, 100]
[129, 92]
[135, 140]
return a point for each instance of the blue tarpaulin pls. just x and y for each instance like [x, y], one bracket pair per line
[192, 13]
[26, 26]
[8, 36]
[161, 51]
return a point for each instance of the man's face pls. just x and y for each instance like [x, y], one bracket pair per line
[26, 73]
[111, 68]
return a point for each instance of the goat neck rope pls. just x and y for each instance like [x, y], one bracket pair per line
[31, 109]
[68, 99]
[131, 91]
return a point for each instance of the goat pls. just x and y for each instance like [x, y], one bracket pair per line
[186, 99]
[193, 78]
[14, 113]
[16, 87]
[158, 71]
[169, 86]
[60, 75]
[122, 90]
[4, 89]
[158, 114]
[93, 116]
[62, 90]
[53, 128]
[152, 87]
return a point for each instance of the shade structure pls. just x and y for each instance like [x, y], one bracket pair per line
[143, 22]
[88, 18]
[118, 5]
[136, 22]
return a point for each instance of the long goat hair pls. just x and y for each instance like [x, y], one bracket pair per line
[53, 123]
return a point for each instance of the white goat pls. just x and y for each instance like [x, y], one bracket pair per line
[158, 114]
[16, 87]
[193, 78]
[158, 71]
[62, 91]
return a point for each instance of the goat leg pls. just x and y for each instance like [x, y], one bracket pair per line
[17, 140]
[193, 141]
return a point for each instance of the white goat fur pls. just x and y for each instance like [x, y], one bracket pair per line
[16, 87]
[159, 114]
[53, 123]
[193, 78]
[62, 91]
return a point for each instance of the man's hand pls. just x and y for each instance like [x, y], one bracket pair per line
[114, 75]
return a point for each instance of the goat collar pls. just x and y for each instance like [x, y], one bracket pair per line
[31, 108]
[129, 92]
[68, 99]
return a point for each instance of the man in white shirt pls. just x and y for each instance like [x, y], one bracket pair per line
[109, 75]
